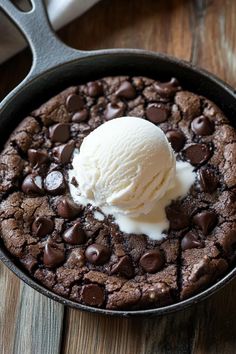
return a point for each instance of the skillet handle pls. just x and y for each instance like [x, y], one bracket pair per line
[48, 51]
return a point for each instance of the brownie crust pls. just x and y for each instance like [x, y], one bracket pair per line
[90, 261]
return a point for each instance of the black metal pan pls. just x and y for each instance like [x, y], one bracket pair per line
[56, 66]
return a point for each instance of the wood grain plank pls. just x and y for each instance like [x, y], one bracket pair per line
[9, 302]
[30, 323]
[214, 44]
[148, 24]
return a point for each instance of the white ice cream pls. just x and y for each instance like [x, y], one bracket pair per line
[127, 168]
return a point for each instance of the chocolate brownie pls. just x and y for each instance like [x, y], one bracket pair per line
[91, 261]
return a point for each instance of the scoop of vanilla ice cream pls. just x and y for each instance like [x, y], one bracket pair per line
[124, 166]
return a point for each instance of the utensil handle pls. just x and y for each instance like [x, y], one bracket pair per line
[48, 51]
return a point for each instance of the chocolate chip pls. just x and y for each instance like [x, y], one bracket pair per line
[190, 241]
[177, 217]
[67, 209]
[62, 153]
[157, 113]
[53, 255]
[208, 180]
[126, 90]
[167, 89]
[80, 116]
[206, 221]
[152, 261]
[97, 254]
[59, 132]
[32, 184]
[95, 89]
[42, 226]
[74, 103]
[176, 139]
[74, 235]
[197, 154]
[54, 183]
[113, 111]
[124, 267]
[92, 295]
[202, 126]
[74, 181]
[37, 157]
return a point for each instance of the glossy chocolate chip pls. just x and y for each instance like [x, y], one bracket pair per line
[54, 183]
[97, 254]
[126, 90]
[124, 267]
[190, 241]
[206, 221]
[67, 209]
[113, 111]
[177, 217]
[197, 154]
[42, 226]
[74, 103]
[176, 139]
[59, 132]
[37, 157]
[74, 235]
[167, 89]
[152, 261]
[80, 116]
[202, 126]
[32, 184]
[53, 255]
[92, 295]
[95, 89]
[157, 113]
[62, 153]
[208, 180]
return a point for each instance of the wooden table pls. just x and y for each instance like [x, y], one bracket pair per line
[204, 32]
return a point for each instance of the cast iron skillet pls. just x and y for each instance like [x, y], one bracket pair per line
[56, 66]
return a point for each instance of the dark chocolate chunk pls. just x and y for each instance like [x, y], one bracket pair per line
[37, 157]
[124, 267]
[54, 183]
[152, 261]
[177, 217]
[59, 132]
[32, 184]
[92, 295]
[113, 111]
[67, 209]
[202, 126]
[197, 154]
[157, 113]
[75, 235]
[97, 254]
[208, 180]
[62, 153]
[42, 226]
[189, 241]
[176, 139]
[206, 221]
[167, 89]
[126, 90]
[74, 103]
[80, 116]
[53, 255]
[95, 89]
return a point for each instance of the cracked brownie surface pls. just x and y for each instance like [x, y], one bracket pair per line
[90, 261]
